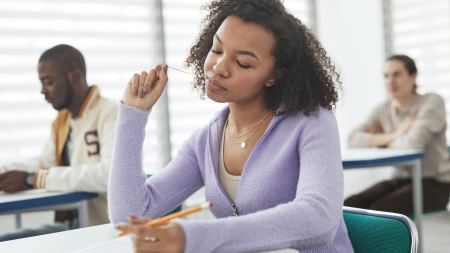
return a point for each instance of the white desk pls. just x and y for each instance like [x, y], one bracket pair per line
[373, 157]
[74, 240]
[37, 200]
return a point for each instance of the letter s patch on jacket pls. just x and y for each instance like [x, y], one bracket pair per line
[91, 140]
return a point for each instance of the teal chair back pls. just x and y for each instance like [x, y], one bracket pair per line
[375, 232]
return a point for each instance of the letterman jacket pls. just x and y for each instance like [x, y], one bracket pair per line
[92, 140]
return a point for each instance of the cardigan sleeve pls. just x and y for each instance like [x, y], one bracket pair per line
[128, 190]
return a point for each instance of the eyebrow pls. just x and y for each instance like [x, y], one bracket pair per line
[244, 52]
[397, 72]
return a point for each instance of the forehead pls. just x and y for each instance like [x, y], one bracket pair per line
[394, 66]
[48, 68]
[236, 33]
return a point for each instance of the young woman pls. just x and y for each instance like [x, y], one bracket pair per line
[270, 161]
[406, 120]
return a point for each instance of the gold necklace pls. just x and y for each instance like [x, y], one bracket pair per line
[255, 127]
[248, 129]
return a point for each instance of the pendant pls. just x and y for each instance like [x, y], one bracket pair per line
[243, 144]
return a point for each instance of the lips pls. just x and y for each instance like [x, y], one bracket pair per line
[215, 86]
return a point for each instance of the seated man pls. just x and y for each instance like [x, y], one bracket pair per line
[78, 155]
[406, 120]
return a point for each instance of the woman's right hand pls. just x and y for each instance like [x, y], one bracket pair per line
[167, 238]
[143, 90]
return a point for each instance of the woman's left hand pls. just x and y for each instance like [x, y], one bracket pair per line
[168, 238]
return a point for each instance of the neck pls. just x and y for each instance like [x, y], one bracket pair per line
[77, 100]
[244, 116]
[401, 103]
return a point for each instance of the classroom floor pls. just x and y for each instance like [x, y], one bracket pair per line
[437, 232]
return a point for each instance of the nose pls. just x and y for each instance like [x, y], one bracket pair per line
[43, 90]
[221, 68]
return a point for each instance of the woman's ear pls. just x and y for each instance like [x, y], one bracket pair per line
[275, 76]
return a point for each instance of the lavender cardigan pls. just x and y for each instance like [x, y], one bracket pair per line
[290, 194]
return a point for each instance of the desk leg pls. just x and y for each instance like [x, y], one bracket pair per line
[83, 214]
[418, 201]
[18, 218]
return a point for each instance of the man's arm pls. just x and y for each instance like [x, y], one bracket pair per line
[20, 176]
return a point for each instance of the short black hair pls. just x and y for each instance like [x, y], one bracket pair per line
[65, 56]
[305, 77]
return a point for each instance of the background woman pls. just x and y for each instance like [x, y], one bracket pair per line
[406, 120]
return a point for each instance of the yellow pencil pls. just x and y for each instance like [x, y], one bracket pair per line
[165, 219]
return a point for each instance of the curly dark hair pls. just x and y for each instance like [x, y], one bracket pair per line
[305, 77]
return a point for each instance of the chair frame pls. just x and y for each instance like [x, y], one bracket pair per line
[403, 218]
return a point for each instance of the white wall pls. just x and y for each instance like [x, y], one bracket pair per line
[352, 33]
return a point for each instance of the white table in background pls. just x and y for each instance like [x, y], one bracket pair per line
[375, 157]
[39, 200]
